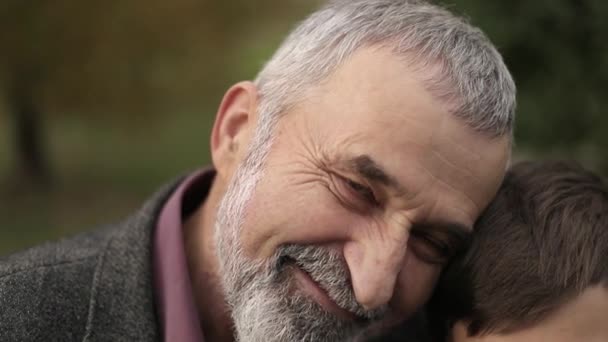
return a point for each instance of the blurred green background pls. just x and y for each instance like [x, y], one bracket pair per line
[103, 101]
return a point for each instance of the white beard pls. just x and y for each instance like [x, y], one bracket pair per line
[258, 292]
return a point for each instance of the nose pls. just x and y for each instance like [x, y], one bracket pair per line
[375, 261]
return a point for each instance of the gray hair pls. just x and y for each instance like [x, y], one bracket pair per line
[462, 66]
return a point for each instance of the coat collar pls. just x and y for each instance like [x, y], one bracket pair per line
[122, 303]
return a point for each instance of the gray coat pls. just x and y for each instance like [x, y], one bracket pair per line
[93, 287]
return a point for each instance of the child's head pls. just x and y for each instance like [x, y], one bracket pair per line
[537, 269]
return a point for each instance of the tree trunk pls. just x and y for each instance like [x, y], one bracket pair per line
[32, 165]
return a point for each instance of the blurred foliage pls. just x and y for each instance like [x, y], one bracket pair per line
[557, 52]
[122, 93]
[133, 56]
[118, 96]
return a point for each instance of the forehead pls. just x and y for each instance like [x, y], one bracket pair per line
[373, 85]
[375, 104]
[582, 319]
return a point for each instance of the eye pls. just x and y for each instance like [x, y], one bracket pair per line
[430, 248]
[364, 192]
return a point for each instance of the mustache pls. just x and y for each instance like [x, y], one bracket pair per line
[329, 270]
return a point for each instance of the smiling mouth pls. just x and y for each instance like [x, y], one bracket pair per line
[308, 286]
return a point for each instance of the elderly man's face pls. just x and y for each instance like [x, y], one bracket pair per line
[368, 186]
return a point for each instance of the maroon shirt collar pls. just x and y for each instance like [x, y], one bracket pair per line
[177, 313]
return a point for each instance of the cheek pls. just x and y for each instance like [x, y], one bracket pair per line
[301, 215]
[416, 284]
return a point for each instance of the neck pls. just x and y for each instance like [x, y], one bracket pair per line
[203, 267]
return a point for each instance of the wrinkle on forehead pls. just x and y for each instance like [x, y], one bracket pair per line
[373, 105]
[469, 158]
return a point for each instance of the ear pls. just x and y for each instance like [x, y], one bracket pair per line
[233, 127]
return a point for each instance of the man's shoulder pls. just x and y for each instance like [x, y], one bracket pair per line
[94, 286]
[51, 255]
[45, 290]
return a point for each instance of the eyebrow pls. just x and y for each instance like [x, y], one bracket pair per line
[367, 168]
